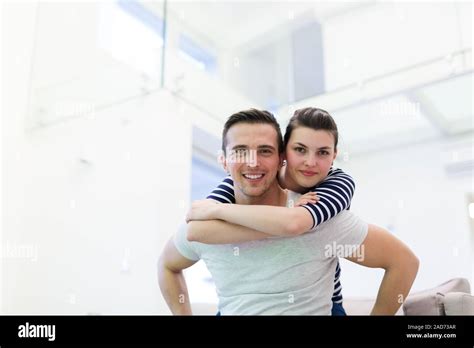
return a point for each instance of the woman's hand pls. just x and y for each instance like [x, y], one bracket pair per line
[309, 197]
[202, 210]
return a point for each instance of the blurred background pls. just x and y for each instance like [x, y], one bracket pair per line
[112, 114]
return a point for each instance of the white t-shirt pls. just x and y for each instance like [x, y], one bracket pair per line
[285, 275]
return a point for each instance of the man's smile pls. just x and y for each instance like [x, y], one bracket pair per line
[253, 177]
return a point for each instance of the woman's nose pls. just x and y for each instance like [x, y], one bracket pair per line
[310, 161]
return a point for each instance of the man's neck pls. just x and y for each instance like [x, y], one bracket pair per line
[275, 195]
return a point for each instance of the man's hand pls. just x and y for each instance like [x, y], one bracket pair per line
[202, 210]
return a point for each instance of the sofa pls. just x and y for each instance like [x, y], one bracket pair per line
[452, 297]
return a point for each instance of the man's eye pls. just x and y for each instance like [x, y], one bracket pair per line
[240, 151]
[266, 152]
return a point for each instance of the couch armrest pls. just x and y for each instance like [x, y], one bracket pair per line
[458, 303]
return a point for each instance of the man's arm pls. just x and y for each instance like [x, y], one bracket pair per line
[222, 232]
[381, 249]
[171, 279]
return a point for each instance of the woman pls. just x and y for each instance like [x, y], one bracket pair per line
[310, 141]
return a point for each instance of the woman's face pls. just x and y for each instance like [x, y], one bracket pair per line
[309, 155]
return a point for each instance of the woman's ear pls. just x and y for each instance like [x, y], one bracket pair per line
[334, 157]
[282, 160]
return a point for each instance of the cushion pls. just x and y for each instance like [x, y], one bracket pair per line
[431, 301]
[458, 303]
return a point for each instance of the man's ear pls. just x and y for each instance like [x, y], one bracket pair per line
[223, 160]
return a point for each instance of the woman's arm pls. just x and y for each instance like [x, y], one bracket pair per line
[334, 193]
[224, 192]
[276, 221]
[218, 231]
[221, 232]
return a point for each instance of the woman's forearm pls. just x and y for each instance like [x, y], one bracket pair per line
[222, 232]
[277, 221]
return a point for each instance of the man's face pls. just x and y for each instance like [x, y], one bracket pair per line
[252, 158]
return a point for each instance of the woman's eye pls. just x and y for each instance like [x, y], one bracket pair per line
[324, 153]
[300, 149]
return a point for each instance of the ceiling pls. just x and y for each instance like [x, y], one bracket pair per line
[388, 79]
[228, 24]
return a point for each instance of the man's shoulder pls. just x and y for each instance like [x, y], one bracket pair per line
[345, 227]
[342, 219]
[186, 248]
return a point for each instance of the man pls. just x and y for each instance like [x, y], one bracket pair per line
[292, 275]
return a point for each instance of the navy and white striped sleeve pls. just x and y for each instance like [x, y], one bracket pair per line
[224, 192]
[335, 195]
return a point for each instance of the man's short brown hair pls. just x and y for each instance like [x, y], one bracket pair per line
[252, 116]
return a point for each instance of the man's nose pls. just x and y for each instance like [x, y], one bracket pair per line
[251, 159]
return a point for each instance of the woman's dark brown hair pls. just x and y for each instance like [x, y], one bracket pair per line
[314, 118]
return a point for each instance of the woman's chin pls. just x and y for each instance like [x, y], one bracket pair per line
[307, 183]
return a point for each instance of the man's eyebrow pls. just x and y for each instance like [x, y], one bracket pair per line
[260, 147]
[240, 147]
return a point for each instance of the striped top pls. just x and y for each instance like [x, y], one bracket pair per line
[335, 194]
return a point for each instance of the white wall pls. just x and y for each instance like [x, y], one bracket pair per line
[86, 220]
[407, 191]
[17, 38]
[96, 227]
